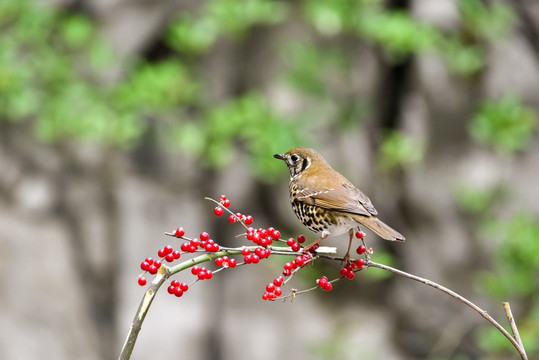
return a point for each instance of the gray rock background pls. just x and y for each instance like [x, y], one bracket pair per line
[76, 220]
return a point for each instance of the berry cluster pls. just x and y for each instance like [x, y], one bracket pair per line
[262, 238]
[273, 289]
[203, 243]
[177, 289]
[150, 265]
[226, 262]
[295, 244]
[349, 271]
[299, 262]
[224, 202]
[324, 283]
[201, 273]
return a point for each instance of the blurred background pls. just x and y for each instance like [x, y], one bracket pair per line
[117, 117]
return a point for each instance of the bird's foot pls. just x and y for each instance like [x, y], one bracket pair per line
[346, 260]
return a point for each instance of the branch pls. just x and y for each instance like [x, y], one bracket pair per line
[517, 343]
[263, 248]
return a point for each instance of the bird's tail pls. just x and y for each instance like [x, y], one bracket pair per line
[380, 228]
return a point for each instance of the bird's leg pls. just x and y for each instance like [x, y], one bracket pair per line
[314, 244]
[347, 255]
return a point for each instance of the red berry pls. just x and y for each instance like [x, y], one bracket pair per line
[248, 220]
[288, 266]
[175, 283]
[360, 234]
[343, 272]
[287, 272]
[328, 286]
[178, 292]
[179, 232]
[360, 263]
[195, 270]
[176, 254]
[204, 236]
[322, 282]
[144, 265]
[301, 239]
[157, 263]
[168, 249]
[149, 260]
[296, 247]
[218, 211]
[265, 296]
[270, 287]
[290, 242]
[161, 253]
[202, 275]
[209, 274]
[226, 203]
[169, 257]
[266, 242]
[361, 249]
[219, 261]
[246, 252]
[278, 291]
[278, 281]
[171, 289]
[232, 263]
[141, 281]
[255, 259]
[231, 219]
[184, 287]
[350, 275]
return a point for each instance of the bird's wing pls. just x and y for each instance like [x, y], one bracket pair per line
[345, 198]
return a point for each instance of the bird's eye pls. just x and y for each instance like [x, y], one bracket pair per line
[294, 158]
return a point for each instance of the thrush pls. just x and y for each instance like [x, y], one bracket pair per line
[328, 203]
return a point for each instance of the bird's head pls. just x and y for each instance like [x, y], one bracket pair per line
[300, 160]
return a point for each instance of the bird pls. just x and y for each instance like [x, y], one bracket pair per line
[328, 203]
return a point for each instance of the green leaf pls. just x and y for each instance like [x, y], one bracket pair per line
[76, 30]
[399, 150]
[506, 124]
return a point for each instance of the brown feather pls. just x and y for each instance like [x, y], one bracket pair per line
[380, 228]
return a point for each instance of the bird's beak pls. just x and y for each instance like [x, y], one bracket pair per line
[279, 156]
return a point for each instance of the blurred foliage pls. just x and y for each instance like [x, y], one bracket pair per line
[196, 34]
[515, 262]
[515, 278]
[399, 151]
[506, 124]
[479, 201]
[54, 66]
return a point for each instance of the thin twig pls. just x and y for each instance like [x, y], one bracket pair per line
[517, 344]
[512, 323]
